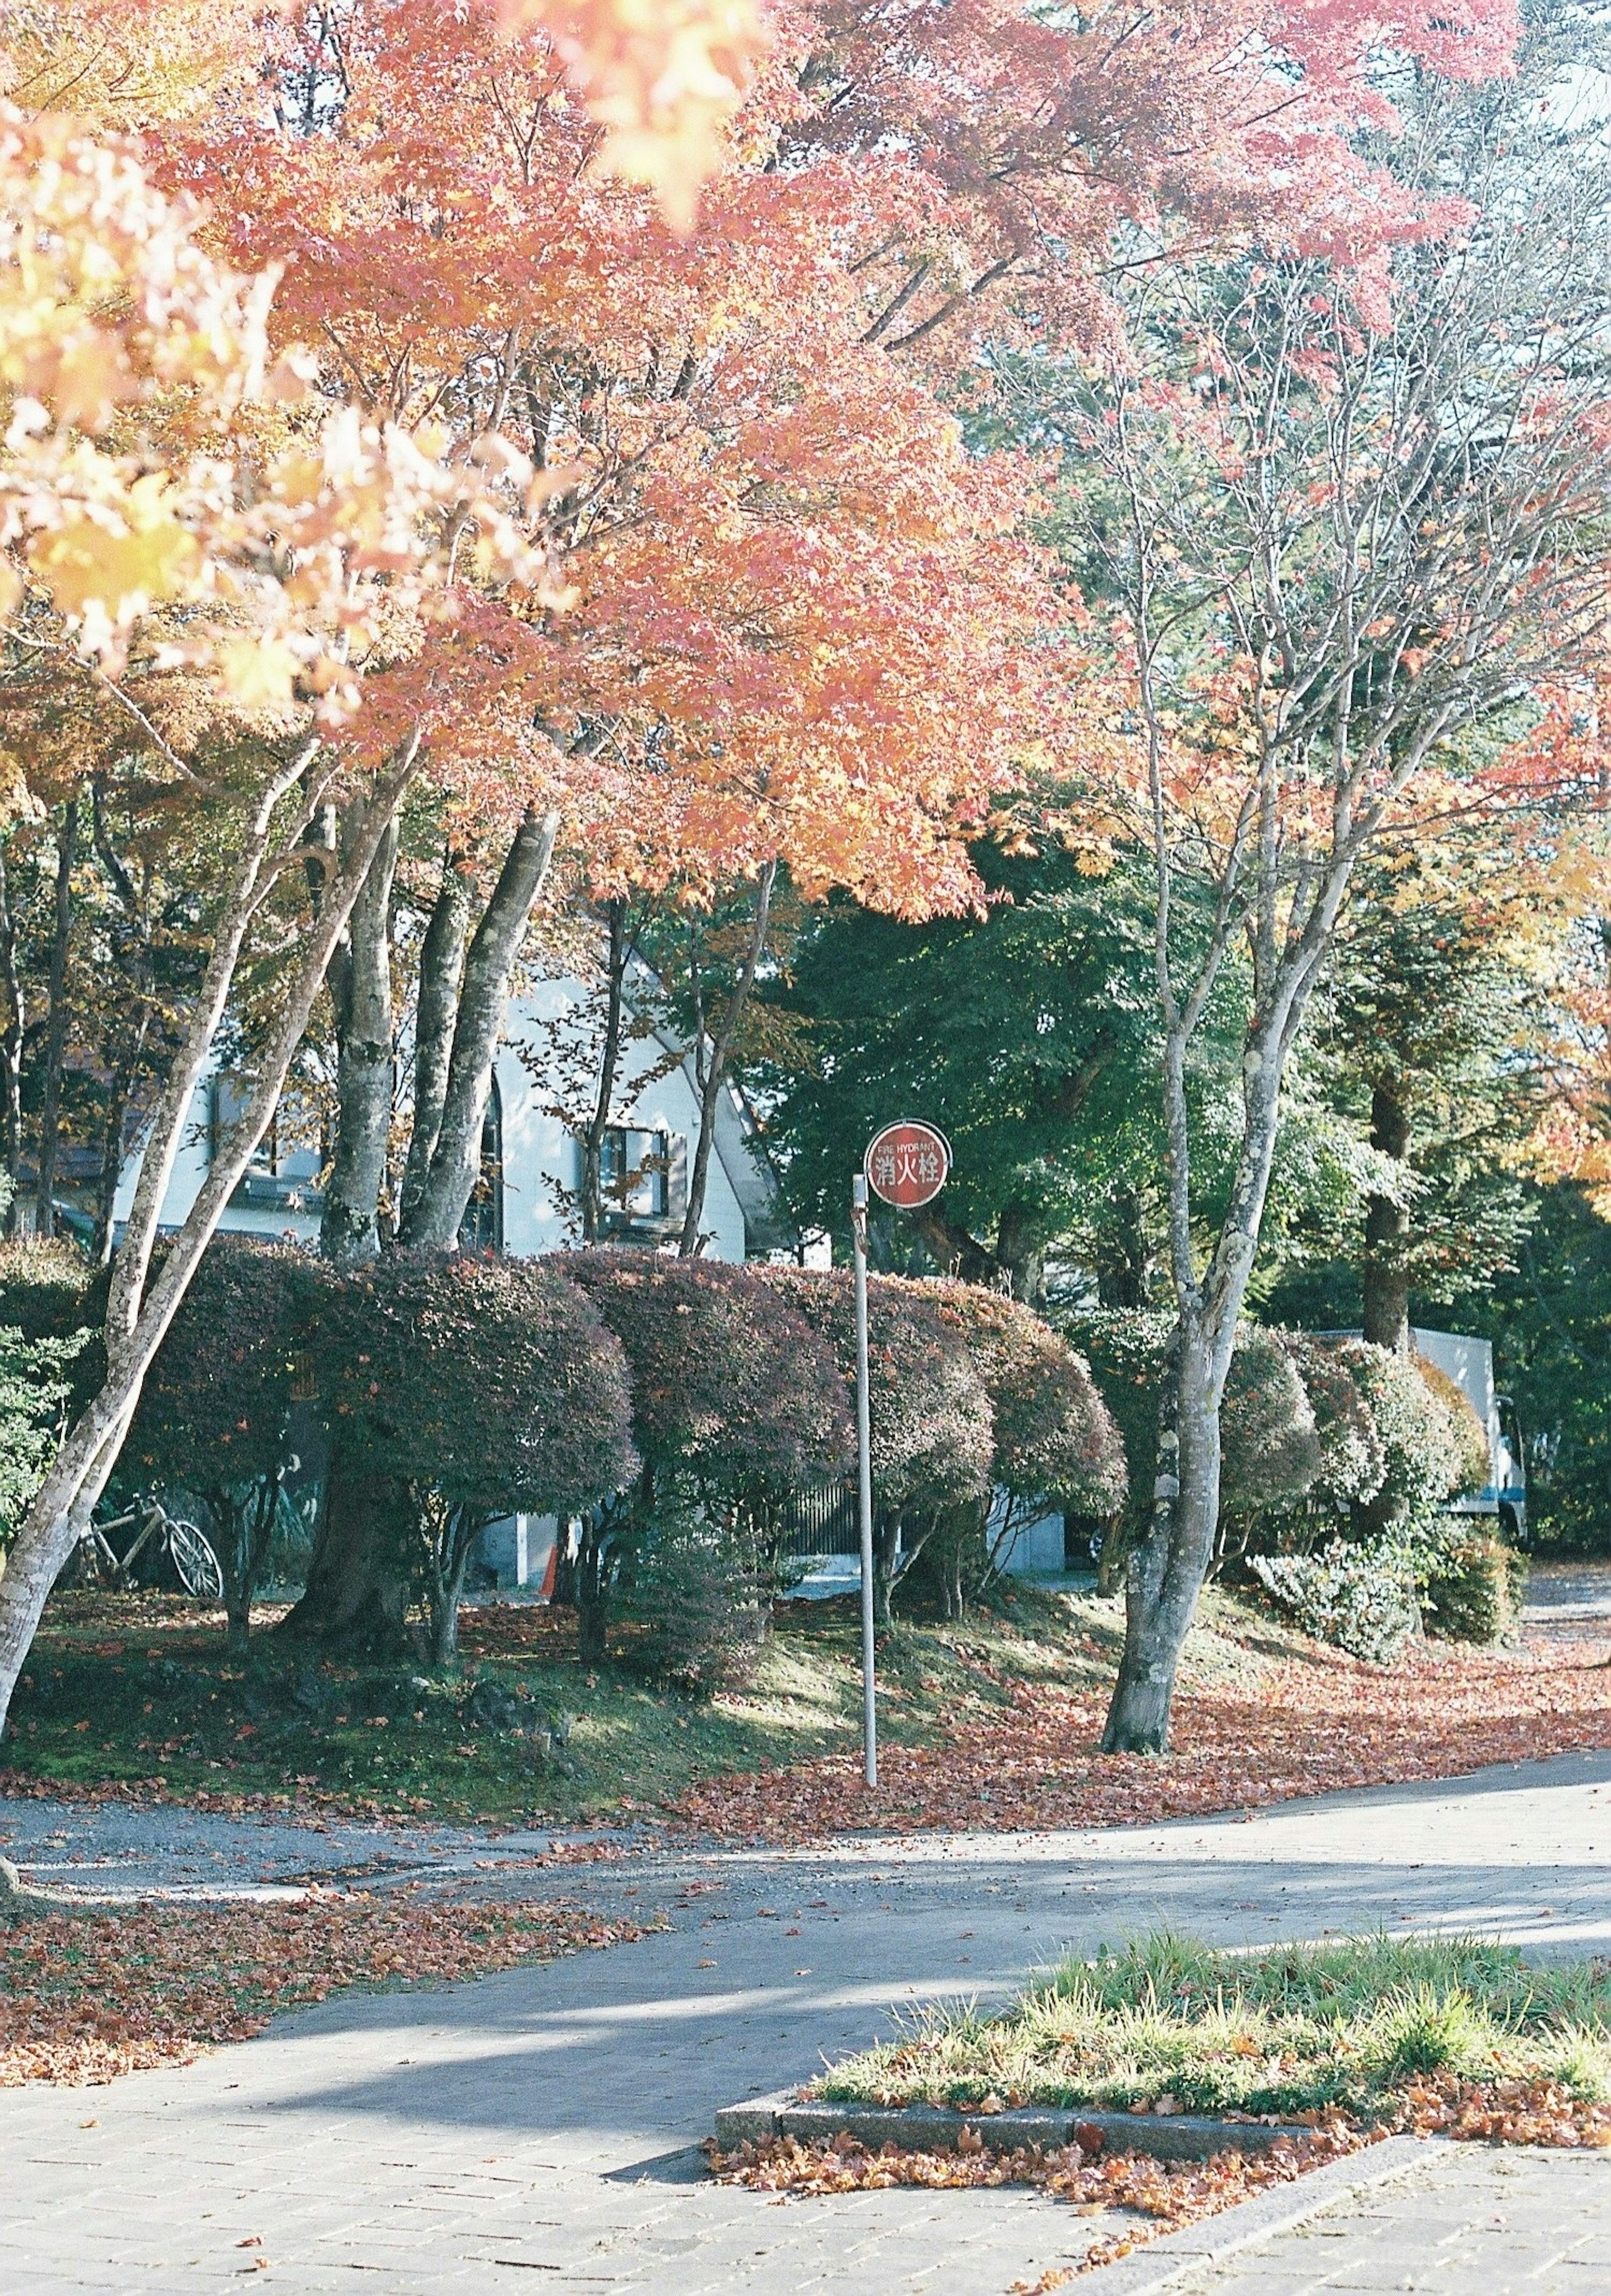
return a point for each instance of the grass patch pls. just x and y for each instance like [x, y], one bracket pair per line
[1169, 2025]
[128, 1690]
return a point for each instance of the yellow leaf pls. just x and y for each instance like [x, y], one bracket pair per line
[258, 675]
[85, 565]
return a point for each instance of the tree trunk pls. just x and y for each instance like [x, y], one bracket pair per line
[10, 1049]
[349, 1231]
[618, 947]
[450, 1545]
[112, 1127]
[441, 972]
[1021, 1255]
[712, 1064]
[592, 1590]
[1125, 1260]
[243, 1528]
[355, 1603]
[1165, 1570]
[1385, 1273]
[139, 1311]
[886, 1556]
[456, 1162]
[55, 1026]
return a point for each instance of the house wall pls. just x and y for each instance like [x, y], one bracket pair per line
[540, 1155]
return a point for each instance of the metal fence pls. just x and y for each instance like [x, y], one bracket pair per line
[823, 1520]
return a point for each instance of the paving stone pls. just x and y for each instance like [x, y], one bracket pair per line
[408, 2143]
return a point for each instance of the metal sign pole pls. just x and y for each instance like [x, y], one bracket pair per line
[869, 1717]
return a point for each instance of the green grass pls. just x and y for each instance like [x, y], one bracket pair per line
[134, 1687]
[1290, 2029]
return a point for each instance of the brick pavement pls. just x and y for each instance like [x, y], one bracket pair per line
[534, 2129]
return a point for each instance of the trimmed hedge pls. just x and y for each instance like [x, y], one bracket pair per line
[729, 1379]
[737, 1401]
[476, 1386]
[1055, 1438]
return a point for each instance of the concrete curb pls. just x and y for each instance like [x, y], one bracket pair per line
[1172, 2136]
[1175, 2261]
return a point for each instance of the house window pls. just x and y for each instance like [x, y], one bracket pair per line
[481, 1229]
[643, 1175]
[283, 1173]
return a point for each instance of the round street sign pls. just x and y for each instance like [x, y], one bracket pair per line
[908, 1163]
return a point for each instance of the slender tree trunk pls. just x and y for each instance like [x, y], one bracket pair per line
[886, 1557]
[1165, 1567]
[450, 1565]
[55, 1026]
[349, 1231]
[1165, 1570]
[456, 1162]
[713, 1063]
[112, 1127]
[441, 972]
[139, 1311]
[618, 948]
[1385, 1274]
[10, 1049]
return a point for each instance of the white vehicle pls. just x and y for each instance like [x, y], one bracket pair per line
[1470, 1363]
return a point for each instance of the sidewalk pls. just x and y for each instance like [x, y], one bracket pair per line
[542, 2121]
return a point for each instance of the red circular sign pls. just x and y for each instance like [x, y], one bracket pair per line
[908, 1164]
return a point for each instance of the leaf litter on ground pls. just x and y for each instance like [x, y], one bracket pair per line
[88, 1994]
[1355, 2040]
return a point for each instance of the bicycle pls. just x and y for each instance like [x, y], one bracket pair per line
[191, 1555]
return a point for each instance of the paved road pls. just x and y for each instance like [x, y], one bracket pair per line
[542, 2120]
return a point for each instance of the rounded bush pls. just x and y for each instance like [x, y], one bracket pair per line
[730, 1381]
[1270, 1444]
[933, 1431]
[493, 1381]
[1420, 1447]
[1468, 1435]
[216, 1399]
[1055, 1438]
[1353, 1460]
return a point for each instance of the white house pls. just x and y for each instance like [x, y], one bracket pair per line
[531, 1159]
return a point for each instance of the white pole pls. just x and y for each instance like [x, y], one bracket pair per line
[869, 1717]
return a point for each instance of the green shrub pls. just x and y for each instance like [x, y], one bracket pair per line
[1359, 1597]
[697, 1600]
[36, 1385]
[1271, 1447]
[1471, 1582]
[1353, 1459]
[1469, 1438]
[737, 1401]
[1421, 1444]
[1269, 1443]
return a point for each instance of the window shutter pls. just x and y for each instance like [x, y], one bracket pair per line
[676, 1176]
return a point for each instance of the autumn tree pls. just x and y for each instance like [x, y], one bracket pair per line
[1330, 534]
[276, 568]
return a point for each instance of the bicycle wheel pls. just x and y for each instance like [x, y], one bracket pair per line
[194, 1561]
